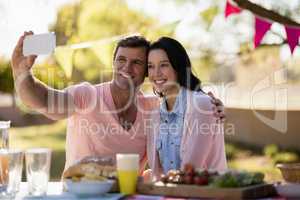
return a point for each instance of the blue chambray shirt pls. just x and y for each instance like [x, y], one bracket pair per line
[170, 132]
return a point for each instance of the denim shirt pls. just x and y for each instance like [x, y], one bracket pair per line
[170, 132]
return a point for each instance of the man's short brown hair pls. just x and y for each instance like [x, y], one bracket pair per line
[132, 41]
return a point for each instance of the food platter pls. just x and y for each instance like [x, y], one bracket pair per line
[195, 191]
[202, 183]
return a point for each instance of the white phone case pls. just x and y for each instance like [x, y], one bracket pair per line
[39, 44]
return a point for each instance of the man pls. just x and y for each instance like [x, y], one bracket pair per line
[103, 119]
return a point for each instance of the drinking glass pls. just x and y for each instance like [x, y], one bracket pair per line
[127, 170]
[11, 165]
[4, 137]
[38, 161]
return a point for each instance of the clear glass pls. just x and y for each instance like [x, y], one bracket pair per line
[4, 136]
[11, 165]
[127, 170]
[38, 163]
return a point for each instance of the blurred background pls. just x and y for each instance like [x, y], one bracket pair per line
[259, 87]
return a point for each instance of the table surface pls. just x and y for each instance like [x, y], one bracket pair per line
[55, 192]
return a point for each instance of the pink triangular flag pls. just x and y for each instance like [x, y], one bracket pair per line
[230, 9]
[261, 27]
[293, 35]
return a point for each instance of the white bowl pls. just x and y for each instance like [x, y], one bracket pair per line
[88, 188]
[291, 190]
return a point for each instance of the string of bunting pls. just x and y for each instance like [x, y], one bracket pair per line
[101, 47]
[262, 26]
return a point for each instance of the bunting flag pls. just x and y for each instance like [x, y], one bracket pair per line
[64, 56]
[209, 14]
[231, 9]
[261, 27]
[103, 49]
[104, 52]
[293, 35]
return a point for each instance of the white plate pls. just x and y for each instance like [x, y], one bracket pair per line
[288, 190]
[88, 188]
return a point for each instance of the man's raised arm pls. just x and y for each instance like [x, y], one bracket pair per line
[55, 104]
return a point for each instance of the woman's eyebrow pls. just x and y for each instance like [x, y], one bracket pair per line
[164, 61]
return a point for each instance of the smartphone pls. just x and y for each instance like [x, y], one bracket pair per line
[39, 44]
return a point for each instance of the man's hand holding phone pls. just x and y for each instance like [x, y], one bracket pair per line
[27, 49]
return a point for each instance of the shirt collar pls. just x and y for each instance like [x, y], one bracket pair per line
[179, 106]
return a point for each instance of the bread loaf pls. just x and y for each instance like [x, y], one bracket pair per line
[92, 168]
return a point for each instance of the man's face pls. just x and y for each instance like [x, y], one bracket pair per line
[130, 66]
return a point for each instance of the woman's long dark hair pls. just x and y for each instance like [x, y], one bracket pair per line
[180, 62]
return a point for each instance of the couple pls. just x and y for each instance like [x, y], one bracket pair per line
[115, 117]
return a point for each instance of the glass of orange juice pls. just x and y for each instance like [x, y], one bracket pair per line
[4, 159]
[11, 164]
[127, 169]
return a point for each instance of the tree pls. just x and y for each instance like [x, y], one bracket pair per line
[98, 21]
[273, 15]
[211, 49]
[6, 78]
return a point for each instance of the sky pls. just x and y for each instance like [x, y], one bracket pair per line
[16, 16]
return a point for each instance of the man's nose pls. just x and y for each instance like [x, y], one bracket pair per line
[127, 66]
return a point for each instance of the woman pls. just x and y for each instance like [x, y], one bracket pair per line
[184, 129]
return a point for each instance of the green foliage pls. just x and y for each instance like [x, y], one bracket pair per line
[65, 25]
[94, 20]
[209, 15]
[204, 66]
[6, 77]
[286, 157]
[51, 74]
[238, 179]
[231, 150]
[64, 57]
[271, 150]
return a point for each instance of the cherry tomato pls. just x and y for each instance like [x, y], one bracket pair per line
[200, 180]
[187, 179]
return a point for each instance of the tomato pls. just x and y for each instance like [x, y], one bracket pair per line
[189, 169]
[187, 179]
[200, 180]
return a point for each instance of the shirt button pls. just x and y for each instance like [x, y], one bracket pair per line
[166, 121]
[172, 143]
[171, 162]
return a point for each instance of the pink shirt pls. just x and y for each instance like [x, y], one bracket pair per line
[202, 143]
[95, 130]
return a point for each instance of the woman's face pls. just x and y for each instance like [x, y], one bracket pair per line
[161, 74]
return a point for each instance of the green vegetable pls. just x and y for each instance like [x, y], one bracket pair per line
[237, 179]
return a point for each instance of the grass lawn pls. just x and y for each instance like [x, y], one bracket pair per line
[53, 136]
[257, 163]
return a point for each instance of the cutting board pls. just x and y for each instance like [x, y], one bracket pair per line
[194, 191]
